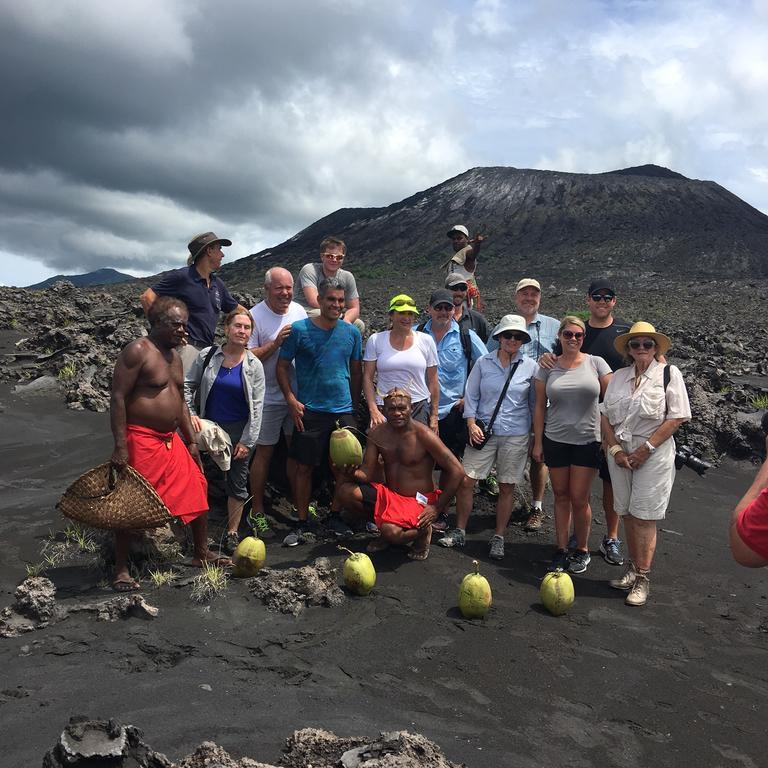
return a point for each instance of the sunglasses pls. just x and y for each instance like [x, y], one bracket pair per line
[460, 287]
[647, 344]
[333, 256]
[602, 296]
[512, 335]
[406, 302]
[443, 307]
[572, 334]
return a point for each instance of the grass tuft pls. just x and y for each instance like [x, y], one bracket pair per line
[760, 402]
[211, 582]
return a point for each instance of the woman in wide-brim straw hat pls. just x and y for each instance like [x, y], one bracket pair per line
[642, 409]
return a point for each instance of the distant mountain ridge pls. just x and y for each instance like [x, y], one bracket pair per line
[545, 223]
[106, 276]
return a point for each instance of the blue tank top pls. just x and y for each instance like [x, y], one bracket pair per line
[226, 401]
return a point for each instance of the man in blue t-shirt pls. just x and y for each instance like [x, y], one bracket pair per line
[327, 353]
[204, 294]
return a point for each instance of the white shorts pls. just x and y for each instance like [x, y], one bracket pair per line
[644, 493]
[508, 452]
[274, 419]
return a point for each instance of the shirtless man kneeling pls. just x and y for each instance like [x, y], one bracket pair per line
[405, 508]
[146, 409]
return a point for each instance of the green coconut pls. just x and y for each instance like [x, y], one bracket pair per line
[359, 573]
[345, 448]
[557, 593]
[249, 557]
[475, 595]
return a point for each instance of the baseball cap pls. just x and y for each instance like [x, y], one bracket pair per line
[458, 228]
[601, 285]
[528, 282]
[441, 296]
[455, 279]
[403, 303]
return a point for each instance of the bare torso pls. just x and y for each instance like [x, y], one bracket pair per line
[407, 462]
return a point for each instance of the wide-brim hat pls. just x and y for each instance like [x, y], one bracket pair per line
[511, 323]
[663, 342]
[403, 303]
[200, 242]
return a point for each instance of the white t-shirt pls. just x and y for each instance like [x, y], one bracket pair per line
[406, 368]
[266, 326]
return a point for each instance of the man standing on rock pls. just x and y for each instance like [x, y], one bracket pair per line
[463, 314]
[405, 507]
[204, 294]
[464, 261]
[272, 319]
[329, 374]
[543, 332]
[146, 410]
[332, 253]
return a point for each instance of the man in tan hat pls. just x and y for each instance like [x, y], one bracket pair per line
[200, 289]
[464, 261]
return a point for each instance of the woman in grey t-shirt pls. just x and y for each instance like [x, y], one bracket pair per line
[566, 429]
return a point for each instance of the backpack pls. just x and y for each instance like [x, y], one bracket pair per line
[466, 344]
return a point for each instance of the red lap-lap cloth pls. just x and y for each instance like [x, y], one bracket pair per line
[752, 524]
[399, 510]
[164, 461]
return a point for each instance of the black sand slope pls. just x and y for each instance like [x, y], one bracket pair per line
[683, 681]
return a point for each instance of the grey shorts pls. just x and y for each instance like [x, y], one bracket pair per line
[275, 418]
[508, 452]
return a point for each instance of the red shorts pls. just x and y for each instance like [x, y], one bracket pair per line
[399, 510]
[165, 463]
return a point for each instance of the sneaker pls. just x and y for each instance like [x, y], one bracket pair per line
[335, 525]
[496, 547]
[295, 537]
[535, 521]
[454, 538]
[491, 485]
[578, 561]
[638, 595]
[610, 549]
[258, 522]
[559, 561]
[627, 580]
[312, 510]
[441, 524]
[230, 542]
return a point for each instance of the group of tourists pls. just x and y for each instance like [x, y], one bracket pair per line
[449, 404]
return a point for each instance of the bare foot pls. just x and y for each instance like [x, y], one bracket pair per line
[420, 548]
[211, 558]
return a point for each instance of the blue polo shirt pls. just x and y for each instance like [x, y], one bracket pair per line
[322, 363]
[204, 303]
[452, 364]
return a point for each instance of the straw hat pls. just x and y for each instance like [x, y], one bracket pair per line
[663, 343]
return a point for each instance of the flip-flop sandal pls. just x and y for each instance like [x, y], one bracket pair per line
[421, 554]
[125, 585]
[377, 545]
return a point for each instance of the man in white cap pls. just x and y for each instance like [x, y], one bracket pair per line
[204, 294]
[464, 260]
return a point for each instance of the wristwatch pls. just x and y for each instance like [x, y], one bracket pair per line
[651, 448]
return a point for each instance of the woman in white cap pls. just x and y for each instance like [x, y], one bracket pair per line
[498, 406]
[405, 358]
[643, 407]
[566, 429]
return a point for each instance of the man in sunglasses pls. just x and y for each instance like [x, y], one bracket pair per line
[464, 260]
[602, 330]
[463, 314]
[332, 254]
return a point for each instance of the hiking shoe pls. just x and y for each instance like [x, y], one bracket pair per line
[230, 542]
[491, 485]
[295, 537]
[578, 561]
[335, 525]
[559, 561]
[496, 547]
[454, 538]
[638, 595]
[627, 580]
[533, 523]
[441, 524]
[610, 549]
[258, 522]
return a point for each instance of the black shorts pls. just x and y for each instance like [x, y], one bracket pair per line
[558, 455]
[453, 432]
[602, 470]
[310, 447]
[369, 498]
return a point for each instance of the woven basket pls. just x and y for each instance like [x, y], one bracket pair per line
[105, 497]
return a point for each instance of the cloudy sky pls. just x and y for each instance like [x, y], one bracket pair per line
[129, 127]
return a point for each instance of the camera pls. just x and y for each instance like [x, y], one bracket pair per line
[685, 457]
